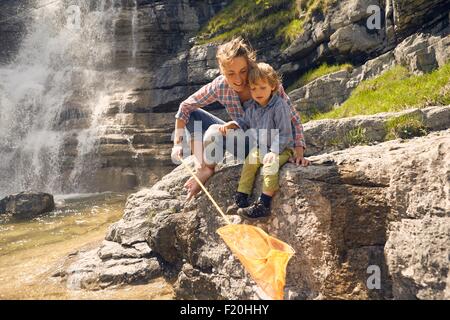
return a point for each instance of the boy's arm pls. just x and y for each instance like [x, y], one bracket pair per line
[283, 138]
[243, 122]
[298, 135]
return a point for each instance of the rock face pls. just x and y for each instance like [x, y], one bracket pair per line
[156, 68]
[349, 30]
[27, 205]
[328, 135]
[11, 27]
[419, 52]
[369, 222]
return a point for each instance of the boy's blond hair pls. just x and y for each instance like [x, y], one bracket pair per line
[264, 71]
[233, 49]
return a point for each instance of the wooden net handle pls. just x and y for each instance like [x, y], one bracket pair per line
[206, 191]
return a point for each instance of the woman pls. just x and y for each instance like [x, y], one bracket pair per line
[231, 89]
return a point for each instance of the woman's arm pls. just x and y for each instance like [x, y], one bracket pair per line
[201, 98]
[179, 131]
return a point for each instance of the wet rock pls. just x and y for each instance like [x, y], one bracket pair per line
[111, 265]
[27, 205]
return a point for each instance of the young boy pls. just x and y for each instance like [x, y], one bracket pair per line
[268, 116]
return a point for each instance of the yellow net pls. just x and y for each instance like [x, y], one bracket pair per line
[264, 257]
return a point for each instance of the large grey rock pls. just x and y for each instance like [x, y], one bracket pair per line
[352, 39]
[321, 94]
[423, 53]
[417, 253]
[111, 265]
[27, 205]
[350, 211]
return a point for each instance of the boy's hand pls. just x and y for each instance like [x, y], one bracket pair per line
[298, 158]
[269, 158]
[225, 127]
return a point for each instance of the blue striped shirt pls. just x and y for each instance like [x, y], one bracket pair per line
[270, 125]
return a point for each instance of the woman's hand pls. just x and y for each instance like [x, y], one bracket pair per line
[177, 153]
[298, 158]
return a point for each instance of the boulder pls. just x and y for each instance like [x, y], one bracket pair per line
[111, 265]
[417, 252]
[27, 205]
[368, 212]
[353, 39]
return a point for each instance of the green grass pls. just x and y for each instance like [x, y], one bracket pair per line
[356, 136]
[395, 90]
[254, 19]
[405, 127]
[311, 75]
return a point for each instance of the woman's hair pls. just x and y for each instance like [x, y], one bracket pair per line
[233, 49]
[264, 71]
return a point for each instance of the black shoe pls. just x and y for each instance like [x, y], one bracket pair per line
[240, 201]
[257, 211]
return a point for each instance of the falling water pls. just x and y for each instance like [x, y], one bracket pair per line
[55, 89]
[134, 25]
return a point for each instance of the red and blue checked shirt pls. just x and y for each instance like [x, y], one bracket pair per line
[219, 90]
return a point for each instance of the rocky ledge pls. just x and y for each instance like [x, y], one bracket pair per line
[378, 211]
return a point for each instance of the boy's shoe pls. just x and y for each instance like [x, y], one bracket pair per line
[257, 211]
[240, 201]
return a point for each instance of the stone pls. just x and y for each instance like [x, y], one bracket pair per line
[353, 39]
[382, 206]
[111, 265]
[418, 258]
[329, 135]
[27, 205]
[419, 53]
[423, 53]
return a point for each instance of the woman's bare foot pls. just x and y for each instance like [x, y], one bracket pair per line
[203, 174]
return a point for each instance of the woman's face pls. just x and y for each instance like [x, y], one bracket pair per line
[236, 73]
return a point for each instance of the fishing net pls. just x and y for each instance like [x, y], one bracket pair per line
[264, 257]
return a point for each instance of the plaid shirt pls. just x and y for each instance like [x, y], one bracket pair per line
[219, 90]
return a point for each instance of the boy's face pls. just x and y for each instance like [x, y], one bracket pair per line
[261, 91]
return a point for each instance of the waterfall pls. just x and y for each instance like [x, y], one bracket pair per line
[53, 95]
[134, 25]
